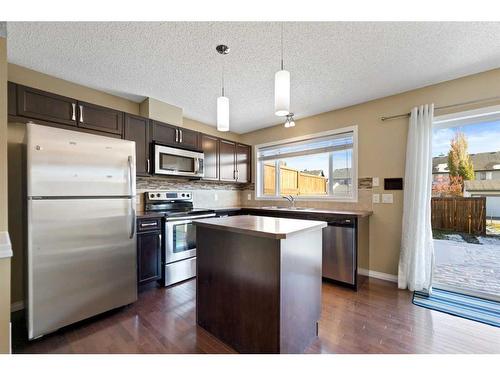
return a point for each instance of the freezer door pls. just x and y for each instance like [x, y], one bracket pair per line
[81, 260]
[62, 163]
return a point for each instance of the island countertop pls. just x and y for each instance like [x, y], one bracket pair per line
[261, 226]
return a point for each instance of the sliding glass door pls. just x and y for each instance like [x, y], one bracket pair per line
[466, 202]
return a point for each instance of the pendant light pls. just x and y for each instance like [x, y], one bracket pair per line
[222, 101]
[282, 87]
[289, 123]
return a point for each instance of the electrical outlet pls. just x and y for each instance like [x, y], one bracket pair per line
[375, 182]
[249, 196]
[376, 198]
[216, 197]
[387, 198]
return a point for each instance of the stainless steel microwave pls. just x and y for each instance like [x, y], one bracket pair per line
[176, 162]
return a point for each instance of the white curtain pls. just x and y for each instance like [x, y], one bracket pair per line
[416, 260]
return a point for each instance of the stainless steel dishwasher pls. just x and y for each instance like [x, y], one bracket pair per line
[339, 251]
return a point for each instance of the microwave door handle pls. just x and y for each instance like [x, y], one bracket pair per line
[177, 135]
[196, 165]
[180, 137]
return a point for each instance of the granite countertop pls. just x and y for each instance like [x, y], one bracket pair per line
[359, 213]
[260, 226]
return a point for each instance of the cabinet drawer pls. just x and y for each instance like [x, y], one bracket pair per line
[144, 225]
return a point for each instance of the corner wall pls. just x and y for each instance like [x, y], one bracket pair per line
[4, 262]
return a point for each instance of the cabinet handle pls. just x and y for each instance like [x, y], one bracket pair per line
[148, 225]
[73, 115]
[177, 135]
[81, 113]
[148, 166]
[180, 138]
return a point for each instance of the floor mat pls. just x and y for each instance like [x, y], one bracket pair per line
[473, 308]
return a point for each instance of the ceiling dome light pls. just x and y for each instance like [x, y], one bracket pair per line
[222, 101]
[282, 87]
[289, 123]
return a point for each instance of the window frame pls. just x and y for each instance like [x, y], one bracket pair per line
[259, 168]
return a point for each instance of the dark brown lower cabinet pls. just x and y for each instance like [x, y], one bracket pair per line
[148, 256]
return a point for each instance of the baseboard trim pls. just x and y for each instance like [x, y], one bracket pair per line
[16, 306]
[378, 275]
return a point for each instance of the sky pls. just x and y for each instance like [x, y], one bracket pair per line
[482, 137]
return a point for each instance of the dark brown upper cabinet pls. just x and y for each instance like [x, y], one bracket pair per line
[243, 165]
[210, 147]
[95, 117]
[227, 160]
[234, 161]
[11, 98]
[137, 129]
[170, 135]
[37, 104]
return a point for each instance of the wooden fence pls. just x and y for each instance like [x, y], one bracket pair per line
[293, 182]
[467, 215]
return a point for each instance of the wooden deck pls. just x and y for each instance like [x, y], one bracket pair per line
[378, 318]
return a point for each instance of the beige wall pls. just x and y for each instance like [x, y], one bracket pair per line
[382, 147]
[4, 262]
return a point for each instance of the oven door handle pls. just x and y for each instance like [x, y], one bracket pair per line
[184, 220]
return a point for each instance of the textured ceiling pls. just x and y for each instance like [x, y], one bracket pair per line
[332, 65]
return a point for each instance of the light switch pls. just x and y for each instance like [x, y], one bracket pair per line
[375, 182]
[216, 197]
[376, 198]
[387, 198]
[249, 196]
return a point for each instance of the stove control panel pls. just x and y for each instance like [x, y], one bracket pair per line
[168, 195]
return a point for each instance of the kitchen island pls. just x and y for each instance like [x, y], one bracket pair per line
[259, 281]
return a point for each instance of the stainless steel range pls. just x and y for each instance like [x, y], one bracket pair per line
[179, 233]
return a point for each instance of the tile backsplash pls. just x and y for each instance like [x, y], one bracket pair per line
[208, 194]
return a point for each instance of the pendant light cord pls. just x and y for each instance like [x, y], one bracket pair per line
[282, 27]
[222, 76]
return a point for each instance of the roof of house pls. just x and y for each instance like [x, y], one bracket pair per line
[314, 172]
[482, 185]
[484, 161]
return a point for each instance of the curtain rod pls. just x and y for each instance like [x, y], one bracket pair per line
[443, 107]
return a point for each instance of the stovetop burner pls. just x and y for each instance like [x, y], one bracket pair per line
[173, 204]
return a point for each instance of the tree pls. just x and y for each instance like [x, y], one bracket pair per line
[459, 161]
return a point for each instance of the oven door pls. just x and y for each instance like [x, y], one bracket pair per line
[180, 238]
[173, 161]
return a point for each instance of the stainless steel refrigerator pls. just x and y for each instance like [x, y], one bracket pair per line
[80, 226]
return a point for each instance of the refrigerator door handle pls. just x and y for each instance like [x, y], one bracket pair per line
[130, 177]
[134, 219]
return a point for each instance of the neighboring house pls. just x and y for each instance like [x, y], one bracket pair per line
[314, 172]
[486, 166]
[485, 188]
[342, 176]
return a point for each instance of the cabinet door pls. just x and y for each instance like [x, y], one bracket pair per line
[227, 160]
[165, 134]
[11, 99]
[137, 129]
[37, 104]
[243, 165]
[148, 257]
[91, 116]
[210, 147]
[188, 139]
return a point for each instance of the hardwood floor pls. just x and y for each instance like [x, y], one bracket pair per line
[378, 318]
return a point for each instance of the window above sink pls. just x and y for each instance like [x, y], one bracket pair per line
[313, 167]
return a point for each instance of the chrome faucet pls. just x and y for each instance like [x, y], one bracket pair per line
[291, 199]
